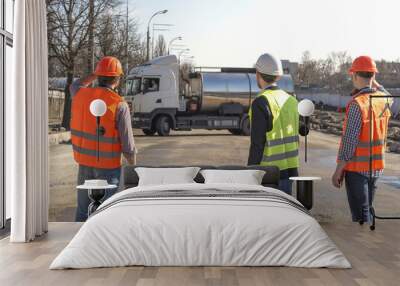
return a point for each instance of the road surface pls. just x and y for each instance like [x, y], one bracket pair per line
[221, 148]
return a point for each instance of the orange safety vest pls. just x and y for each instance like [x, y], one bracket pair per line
[83, 129]
[380, 121]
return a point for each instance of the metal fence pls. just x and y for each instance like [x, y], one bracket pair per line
[337, 100]
[56, 106]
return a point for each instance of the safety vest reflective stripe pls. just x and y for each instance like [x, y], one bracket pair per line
[93, 153]
[374, 144]
[281, 141]
[356, 159]
[93, 137]
[283, 156]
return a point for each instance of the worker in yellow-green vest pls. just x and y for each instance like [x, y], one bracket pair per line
[274, 123]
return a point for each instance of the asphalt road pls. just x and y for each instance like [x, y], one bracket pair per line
[221, 148]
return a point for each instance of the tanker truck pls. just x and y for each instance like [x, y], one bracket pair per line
[162, 98]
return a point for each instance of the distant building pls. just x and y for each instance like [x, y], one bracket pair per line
[291, 68]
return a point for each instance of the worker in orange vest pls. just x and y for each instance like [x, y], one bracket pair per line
[353, 162]
[116, 130]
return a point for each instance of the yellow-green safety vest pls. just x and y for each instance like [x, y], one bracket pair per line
[282, 144]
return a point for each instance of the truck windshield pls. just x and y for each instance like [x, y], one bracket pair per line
[134, 86]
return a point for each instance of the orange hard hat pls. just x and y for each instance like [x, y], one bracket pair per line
[363, 64]
[109, 66]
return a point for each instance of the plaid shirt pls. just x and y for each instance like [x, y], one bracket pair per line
[351, 137]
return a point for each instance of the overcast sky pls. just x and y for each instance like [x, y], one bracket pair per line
[235, 32]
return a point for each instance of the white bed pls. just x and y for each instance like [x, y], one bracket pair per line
[185, 230]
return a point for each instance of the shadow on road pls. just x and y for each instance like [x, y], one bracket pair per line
[190, 135]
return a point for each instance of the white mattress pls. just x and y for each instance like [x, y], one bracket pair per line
[192, 231]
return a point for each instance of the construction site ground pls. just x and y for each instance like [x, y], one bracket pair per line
[202, 147]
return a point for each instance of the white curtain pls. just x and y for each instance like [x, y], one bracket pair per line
[27, 124]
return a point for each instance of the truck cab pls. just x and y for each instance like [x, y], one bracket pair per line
[153, 89]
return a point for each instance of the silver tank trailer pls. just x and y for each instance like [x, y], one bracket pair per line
[217, 88]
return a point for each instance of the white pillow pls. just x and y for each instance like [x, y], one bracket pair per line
[247, 177]
[166, 176]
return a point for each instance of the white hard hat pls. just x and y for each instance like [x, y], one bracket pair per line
[270, 65]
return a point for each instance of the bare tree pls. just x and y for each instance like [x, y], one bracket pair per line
[308, 70]
[161, 47]
[341, 60]
[115, 38]
[90, 45]
[330, 73]
[70, 21]
[339, 80]
[184, 84]
[389, 73]
[112, 39]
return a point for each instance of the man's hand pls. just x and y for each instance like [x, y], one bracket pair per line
[88, 80]
[338, 176]
[375, 84]
[337, 179]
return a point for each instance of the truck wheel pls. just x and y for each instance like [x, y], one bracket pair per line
[163, 126]
[246, 127]
[235, 131]
[149, 132]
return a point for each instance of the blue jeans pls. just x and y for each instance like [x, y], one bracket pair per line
[359, 195]
[285, 185]
[88, 173]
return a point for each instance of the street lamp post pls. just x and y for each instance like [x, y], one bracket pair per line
[173, 40]
[126, 46]
[148, 31]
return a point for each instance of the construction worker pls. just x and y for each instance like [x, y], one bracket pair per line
[274, 123]
[117, 137]
[353, 162]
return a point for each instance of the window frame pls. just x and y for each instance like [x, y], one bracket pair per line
[130, 91]
[150, 78]
[6, 39]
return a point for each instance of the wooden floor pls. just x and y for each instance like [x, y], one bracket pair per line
[375, 257]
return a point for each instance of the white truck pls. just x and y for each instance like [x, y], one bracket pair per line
[162, 98]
